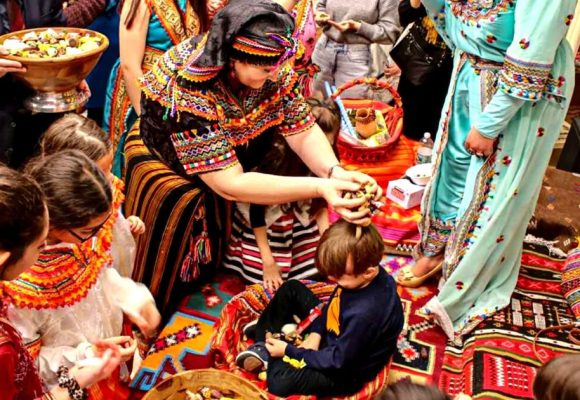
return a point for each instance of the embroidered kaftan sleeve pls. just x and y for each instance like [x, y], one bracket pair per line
[540, 27]
[387, 28]
[497, 114]
[194, 146]
[539, 30]
[297, 115]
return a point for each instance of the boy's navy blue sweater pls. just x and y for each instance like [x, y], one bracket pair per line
[370, 321]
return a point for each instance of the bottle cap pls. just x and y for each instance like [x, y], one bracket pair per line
[427, 135]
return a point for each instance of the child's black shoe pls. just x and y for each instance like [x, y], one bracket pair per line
[255, 358]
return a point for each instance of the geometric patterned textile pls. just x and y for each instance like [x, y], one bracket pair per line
[421, 345]
[497, 360]
[184, 342]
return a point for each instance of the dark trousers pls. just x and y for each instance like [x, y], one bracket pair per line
[293, 298]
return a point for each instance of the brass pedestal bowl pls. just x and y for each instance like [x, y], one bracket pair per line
[55, 79]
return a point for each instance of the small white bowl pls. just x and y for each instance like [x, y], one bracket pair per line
[420, 174]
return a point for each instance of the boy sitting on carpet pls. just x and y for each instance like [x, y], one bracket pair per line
[356, 333]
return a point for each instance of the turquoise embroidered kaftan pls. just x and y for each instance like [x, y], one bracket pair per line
[513, 78]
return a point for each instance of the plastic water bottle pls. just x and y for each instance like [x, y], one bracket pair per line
[425, 149]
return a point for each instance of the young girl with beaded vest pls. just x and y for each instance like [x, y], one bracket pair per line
[72, 296]
[274, 243]
[23, 230]
[75, 132]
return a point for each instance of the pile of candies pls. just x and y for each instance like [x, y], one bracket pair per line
[51, 44]
[207, 393]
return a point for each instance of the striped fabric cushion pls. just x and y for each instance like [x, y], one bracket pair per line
[571, 281]
[168, 204]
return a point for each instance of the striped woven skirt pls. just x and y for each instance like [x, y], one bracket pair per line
[293, 247]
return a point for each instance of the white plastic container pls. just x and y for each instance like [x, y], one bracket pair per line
[405, 193]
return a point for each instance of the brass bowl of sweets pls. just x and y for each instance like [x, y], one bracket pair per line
[57, 60]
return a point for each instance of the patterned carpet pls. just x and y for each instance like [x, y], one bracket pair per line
[184, 342]
[421, 344]
[495, 362]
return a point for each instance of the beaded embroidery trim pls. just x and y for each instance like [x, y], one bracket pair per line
[63, 275]
[524, 79]
[253, 47]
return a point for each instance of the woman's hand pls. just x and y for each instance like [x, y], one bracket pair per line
[358, 177]
[332, 190]
[321, 18]
[479, 145]
[392, 69]
[147, 318]
[276, 347]
[136, 225]
[101, 367]
[8, 66]
[345, 26]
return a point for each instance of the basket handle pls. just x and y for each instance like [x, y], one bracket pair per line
[371, 82]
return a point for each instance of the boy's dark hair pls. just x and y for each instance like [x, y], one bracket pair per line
[75, 188]
[406, 390]
[75, 132]
[22, 212]
[559, 379]
[339, 243]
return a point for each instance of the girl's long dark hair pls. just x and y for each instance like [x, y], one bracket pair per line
[76, 189]
[199, 6]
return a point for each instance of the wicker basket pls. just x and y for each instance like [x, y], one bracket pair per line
[174, 388]
[351, 149]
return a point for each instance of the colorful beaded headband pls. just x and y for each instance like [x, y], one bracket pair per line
[250, 46]
[254, 48]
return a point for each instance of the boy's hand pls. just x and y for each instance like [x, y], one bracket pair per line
[312, 342]
[136, 226]
[276, 347]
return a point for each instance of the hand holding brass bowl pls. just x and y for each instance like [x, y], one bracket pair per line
[56, 79]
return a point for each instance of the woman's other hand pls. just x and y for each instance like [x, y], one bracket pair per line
[345, 26]
[478, 145]
[8, 66]
[101, 367]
